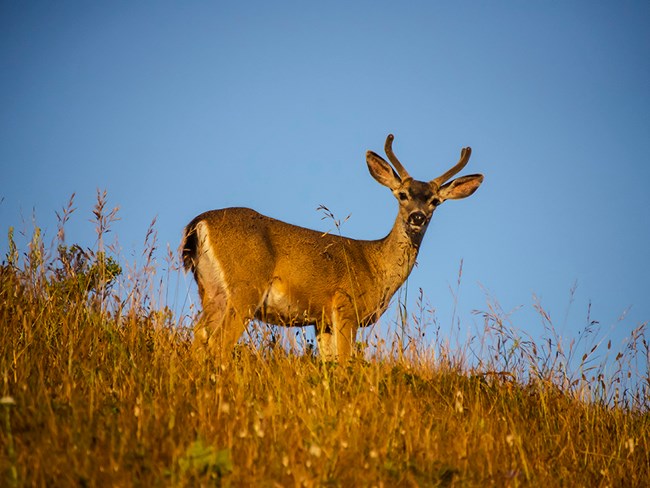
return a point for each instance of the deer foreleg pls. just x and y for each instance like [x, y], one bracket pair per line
[344, 326]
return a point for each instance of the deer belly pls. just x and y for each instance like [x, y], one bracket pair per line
[282, 308]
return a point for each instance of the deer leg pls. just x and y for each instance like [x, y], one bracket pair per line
[224, 337]
[220, 326]
[326, 344]
[215, 303]
[344, 326]
[243, 306]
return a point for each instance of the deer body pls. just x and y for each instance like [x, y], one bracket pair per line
[251, 266]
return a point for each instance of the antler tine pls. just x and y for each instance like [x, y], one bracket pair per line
[401, 171]
[465, 153]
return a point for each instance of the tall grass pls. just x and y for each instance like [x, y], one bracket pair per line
[100, 387]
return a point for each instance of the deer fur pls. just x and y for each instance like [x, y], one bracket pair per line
[250, 266]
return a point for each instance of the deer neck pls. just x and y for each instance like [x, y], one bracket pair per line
[398, 253]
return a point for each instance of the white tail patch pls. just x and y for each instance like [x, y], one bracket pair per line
[212, 282]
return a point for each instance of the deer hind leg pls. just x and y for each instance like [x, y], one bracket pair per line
[214, 300]
[224, 337]
[220, 328]
[224, 319]
[220, 325]
[243, 306]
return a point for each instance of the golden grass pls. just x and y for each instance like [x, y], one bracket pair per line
[100, 387]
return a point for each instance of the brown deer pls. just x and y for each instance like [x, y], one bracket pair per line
[249, 266]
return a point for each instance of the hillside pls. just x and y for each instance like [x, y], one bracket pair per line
[101, 387]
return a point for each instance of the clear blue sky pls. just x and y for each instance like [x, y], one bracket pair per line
[177, 108]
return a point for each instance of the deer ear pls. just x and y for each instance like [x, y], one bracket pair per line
[382, 171]
[460, 187]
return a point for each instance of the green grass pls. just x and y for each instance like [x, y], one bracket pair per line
[101, 387]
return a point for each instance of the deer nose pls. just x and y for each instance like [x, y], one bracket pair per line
[417, 219]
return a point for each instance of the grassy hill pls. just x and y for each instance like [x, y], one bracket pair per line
[100, 387]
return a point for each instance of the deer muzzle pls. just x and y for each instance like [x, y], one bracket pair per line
[417, 219]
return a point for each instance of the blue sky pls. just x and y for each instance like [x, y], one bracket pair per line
[179, 107]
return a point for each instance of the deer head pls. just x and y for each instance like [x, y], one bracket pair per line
[419, 199]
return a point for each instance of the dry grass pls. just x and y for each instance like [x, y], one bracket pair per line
[100, 387]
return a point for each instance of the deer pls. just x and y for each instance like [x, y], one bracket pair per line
[252, 267]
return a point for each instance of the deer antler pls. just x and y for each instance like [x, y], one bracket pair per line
[465, 153]
[401, 171]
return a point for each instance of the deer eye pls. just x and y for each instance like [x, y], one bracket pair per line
[435, 201]
[402, 195]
